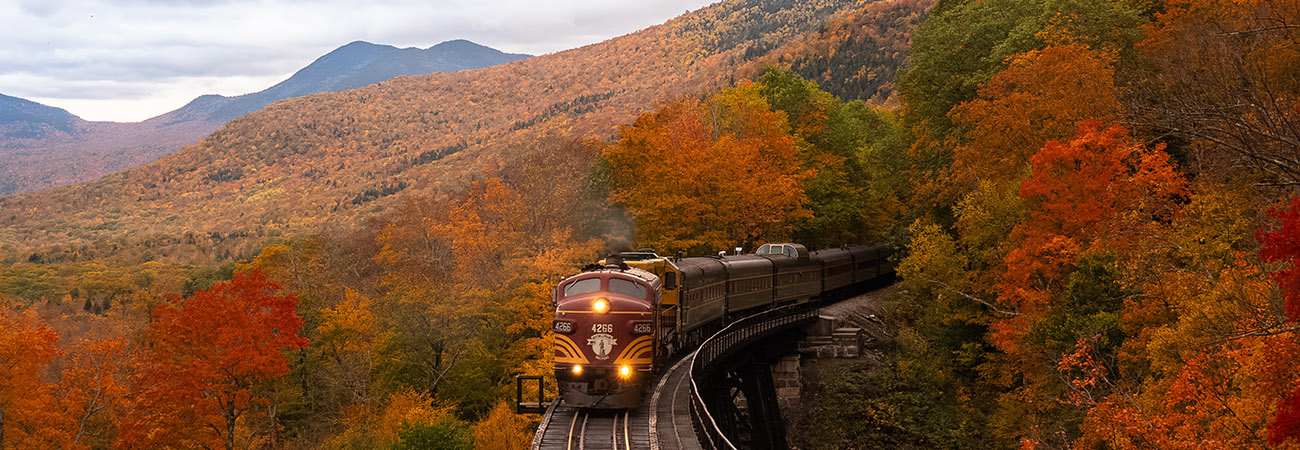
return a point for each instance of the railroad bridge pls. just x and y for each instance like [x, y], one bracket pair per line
[693, 405]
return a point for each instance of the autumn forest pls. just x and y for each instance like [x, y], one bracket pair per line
[1094, 203]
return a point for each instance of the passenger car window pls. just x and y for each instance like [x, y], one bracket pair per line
[583, 286]
[626, 287]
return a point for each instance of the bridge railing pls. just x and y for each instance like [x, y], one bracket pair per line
[728, 341]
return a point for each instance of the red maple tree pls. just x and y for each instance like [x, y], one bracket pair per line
[1283, 245]
[209, 356]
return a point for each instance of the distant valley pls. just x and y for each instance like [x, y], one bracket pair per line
[43, 146]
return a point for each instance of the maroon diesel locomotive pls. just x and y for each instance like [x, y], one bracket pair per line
[615, 322]
[604, 335]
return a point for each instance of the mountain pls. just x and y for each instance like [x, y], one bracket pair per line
[337, 159]
[42, 147]
[22, 119]
[359, 64]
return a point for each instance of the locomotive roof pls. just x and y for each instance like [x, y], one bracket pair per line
[640, 255]
[644, 275]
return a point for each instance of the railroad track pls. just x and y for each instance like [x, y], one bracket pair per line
[661, 422]
[570, 428]
[565, 427]
[599, 430]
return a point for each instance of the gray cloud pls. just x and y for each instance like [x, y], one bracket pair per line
[151, 56]
[38, 8]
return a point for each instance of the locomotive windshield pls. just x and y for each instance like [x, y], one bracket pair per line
[627, 287]
[583, 286]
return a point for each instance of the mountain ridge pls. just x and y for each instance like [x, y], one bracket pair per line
[361, 63]
[23, 113]
[43, 146]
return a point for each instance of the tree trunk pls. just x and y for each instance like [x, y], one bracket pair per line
[231, 417]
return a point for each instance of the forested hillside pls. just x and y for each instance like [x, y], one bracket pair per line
[1100, 232]
[857, 57]
[402, 324]
[336, 159]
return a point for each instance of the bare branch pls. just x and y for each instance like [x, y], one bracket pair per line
[1268, 331]
[991, 306]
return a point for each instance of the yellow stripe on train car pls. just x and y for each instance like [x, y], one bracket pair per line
[568, 352]
[640, 351]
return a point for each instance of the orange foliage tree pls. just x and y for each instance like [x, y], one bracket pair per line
[709, 175]
[27, 345]
[1086, 205]
[1035, 100]
[1080, 194]
[210, 356]
[90, 396]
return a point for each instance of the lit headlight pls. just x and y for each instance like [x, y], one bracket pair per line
[562, 326]
[577, 370]
[624, 371]
[600, 306]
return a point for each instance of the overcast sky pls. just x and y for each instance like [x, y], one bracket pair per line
[129, 60]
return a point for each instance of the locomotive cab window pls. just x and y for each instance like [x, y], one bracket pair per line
[626, 287]
[583, 286]
[766, 248]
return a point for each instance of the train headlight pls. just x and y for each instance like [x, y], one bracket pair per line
[577, 369]
[624, 371]
[600, 306]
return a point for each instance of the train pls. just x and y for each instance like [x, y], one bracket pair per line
[619, 320]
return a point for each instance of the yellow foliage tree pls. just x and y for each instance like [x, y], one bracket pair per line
[502, 430]
[380, 430]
